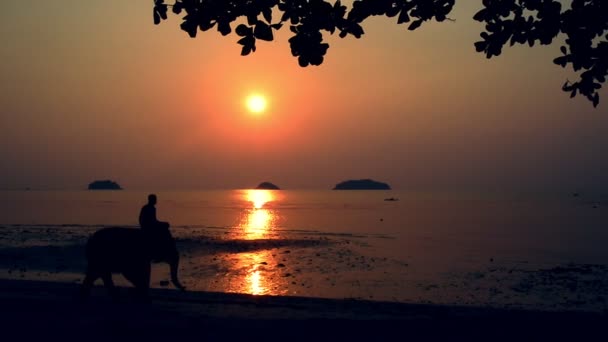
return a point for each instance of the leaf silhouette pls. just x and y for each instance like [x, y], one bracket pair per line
[263, 31]
[583, 24]
[414, 25]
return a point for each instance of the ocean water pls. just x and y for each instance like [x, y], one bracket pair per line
[524, 250]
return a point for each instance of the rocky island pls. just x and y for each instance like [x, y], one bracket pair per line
[361, 184]
[267, 186]
[104, 185]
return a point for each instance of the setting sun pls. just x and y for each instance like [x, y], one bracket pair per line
[256, 103]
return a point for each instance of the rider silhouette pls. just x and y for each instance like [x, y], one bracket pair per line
[154, 230]
[147, 217]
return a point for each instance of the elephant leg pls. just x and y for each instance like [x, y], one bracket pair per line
[144, 284]
[87, 284]
[109, 284]
[139, 276]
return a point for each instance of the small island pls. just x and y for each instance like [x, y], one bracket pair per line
[361, 184]
[104, 185]
[267, 186]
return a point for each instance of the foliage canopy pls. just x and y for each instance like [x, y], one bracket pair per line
[584, 23]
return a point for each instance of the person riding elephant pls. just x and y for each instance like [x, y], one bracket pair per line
[151, 226]
[128, 251]
[147, 216]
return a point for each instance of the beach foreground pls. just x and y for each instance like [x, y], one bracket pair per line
[37, 309]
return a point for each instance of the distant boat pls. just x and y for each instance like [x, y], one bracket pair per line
[362, 184]
[104, 185]
[267, 186]
[391, 199]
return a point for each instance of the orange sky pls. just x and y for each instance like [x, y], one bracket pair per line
[94, 90]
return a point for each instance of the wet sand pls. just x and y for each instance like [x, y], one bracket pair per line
[305, 264]
[42, 270]
[36, 309]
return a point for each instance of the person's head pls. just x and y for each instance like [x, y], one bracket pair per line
[152, 199]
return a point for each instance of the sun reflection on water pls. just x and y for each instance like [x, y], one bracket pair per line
[259, 197]
[255, 275]
[257, 222]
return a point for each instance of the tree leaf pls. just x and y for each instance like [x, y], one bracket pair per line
[303, 61]
[596, 100]
[415, 24]
[177, 8]
[481, 15]
[561, 61]
[356, 30]
[267, 12]
[245, 50]
[403, 17]
[263, 31]
[190, 27]
[224, 28]
[242, 30]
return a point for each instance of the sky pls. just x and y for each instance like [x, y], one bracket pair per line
[94, 90]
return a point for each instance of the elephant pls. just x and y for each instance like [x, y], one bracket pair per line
[128, 251]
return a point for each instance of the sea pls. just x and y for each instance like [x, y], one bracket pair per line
[524, 250]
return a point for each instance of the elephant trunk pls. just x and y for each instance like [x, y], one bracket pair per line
[174, 264]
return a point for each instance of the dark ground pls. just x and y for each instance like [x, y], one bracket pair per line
[32, 310]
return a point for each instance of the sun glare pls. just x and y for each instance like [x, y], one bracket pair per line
[256, 103]
[259, 197]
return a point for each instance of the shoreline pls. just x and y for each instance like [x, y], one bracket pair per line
[328, 265]
[38, 308]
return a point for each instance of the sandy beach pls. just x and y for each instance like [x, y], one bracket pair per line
[35, 309]
[398, 281]
[322, 265]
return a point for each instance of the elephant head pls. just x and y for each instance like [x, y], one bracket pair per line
[163, 249]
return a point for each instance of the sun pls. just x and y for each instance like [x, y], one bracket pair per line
[256, 103]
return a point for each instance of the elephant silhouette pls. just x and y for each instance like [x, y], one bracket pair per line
[130, 252]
